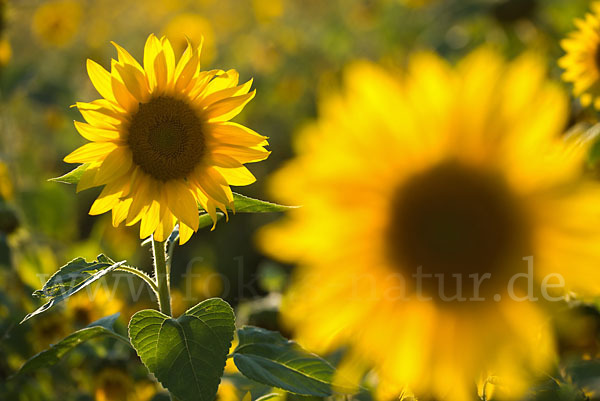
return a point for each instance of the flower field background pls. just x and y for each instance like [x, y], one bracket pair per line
[297, 52]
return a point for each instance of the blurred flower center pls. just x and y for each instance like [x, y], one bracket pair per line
[457, 220]
[166, 138]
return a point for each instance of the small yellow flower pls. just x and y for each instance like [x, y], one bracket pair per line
[162, 143]
[582, 59]
[56, 22]
[445, 171]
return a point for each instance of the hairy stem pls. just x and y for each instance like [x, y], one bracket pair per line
[141, 275]
[162, 277]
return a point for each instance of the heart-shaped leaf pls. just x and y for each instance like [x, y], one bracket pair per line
[267, 357]
[188, 354]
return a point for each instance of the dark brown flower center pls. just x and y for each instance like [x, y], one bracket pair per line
[454, 220]
[166, 138]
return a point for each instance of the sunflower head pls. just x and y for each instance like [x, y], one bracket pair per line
[161, 140]
[431, 199]
[582, 59]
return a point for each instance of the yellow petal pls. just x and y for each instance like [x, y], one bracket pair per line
[100, 79]
[226, 109]
[150, 220]
[101, 118]
[142, 198]
[185, 233]
[165, 227]
[235, 134]
[161, 73]
[122, 94]
[151, 49]
[239, 176]
[96, 134]
[116, 164]
[169, 60]
[213, 184]
[87, 178]
[126, 58]
[109, 197]
[186, 69]
[120, 211]
[182, 203]
[134, 81]
[91, 152]
[226, 93]
[242, 154]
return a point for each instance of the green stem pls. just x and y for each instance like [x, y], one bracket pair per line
[162, 277]
[141, 275]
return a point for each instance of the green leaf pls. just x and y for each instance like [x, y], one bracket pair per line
[71, 278]
[245, 204]
[51, 356]
[267, 357]
[188, 354]
[73, 176]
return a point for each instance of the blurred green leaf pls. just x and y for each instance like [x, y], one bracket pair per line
[51, 356]
[585, 374]
[71, 278]
[73, 176]
[267, 357]
[188, 354]
[245, 204]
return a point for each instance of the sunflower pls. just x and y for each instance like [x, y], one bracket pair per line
[413, 188]
[162, 142]
[582, 59]
[56, 22]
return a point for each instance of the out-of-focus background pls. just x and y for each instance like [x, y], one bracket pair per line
[295, 50]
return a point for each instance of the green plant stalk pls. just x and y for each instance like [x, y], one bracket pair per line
[141, 275]
[162, 277]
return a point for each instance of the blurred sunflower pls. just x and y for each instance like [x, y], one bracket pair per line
[86, 307]
[582, 59]
[195, 28]
[443, 174]
[115, 384]
[162, 142]
[56, 22]
[5, 52]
